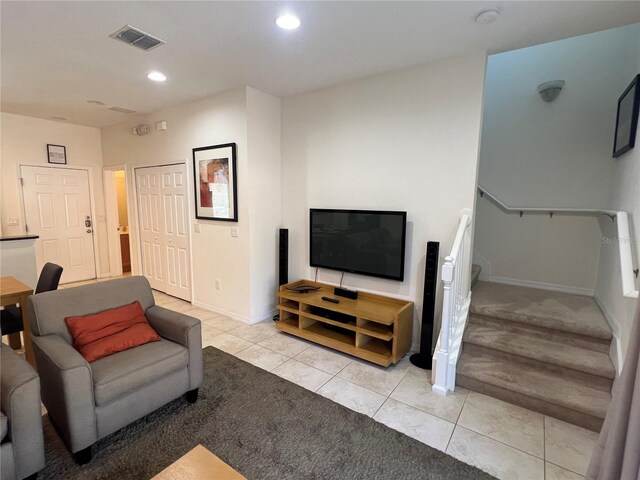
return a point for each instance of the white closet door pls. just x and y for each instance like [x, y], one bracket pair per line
[176, 230]
[58, 209]
[151, 230]
[164, 228]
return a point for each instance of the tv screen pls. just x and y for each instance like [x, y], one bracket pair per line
[359, 241]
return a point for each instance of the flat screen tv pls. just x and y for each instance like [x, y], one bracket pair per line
[359, 241]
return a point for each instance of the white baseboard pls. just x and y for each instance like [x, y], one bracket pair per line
[543, 285]
[485, 266]
[615, 351]
[267, 315]
[222, 311]
[236, 316]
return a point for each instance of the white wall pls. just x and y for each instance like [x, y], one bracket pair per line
[251, 119]
[406, 140]
[264, 114]
[24, 141]
[624, 195]
[554, 154]
[560, 253]
[538, 154]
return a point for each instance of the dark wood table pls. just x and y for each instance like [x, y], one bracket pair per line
[13, 291]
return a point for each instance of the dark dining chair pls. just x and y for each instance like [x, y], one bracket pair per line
[11, 316]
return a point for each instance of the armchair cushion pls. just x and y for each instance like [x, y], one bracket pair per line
[22, 452]
[122, 373]
[111, 331]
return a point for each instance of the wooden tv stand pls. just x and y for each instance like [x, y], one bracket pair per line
[373, 327]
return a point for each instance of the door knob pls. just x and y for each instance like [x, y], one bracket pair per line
[89, 230]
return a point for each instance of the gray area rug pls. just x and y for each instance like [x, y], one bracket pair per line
[263, 426]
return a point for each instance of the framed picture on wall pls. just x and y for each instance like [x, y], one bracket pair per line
[627, 119]
[215, 182]
[56, 154]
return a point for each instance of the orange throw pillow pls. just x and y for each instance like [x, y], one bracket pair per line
[105, 333]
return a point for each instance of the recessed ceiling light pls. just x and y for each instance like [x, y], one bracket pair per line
[486, 16]
[288, 22]
[156, 77]
[95, 102]
[55, 117]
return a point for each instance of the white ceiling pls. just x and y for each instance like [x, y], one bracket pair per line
[57, 55]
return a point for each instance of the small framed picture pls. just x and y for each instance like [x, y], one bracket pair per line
[627, 118]
[216, 185]
[56, 154]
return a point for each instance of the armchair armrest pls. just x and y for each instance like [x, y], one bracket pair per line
[67, 390]
[181, 329]
[20, 401]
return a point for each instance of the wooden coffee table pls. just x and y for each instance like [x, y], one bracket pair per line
[199, 464]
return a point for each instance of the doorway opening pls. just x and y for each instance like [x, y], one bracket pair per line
[123, 220]
[116, 198]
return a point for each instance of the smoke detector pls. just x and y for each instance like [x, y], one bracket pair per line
[486, 16]
[137, 38]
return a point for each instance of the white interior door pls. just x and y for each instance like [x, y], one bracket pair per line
[176, 228]
[58, 209]
[164, 228]
[152, 239]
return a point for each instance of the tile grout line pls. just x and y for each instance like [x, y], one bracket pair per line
[423, 411]
[466, 397]
[505, 444]
[565, 468]
[391, 393]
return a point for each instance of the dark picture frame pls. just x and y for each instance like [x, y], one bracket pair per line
[56, 154]
[627, 119]
[215, 183]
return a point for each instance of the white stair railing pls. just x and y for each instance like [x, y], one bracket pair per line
[456, 276]
[626, 258]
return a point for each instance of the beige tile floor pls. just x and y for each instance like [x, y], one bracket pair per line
[510, 442]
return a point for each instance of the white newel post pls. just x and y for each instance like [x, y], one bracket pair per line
[448, 306]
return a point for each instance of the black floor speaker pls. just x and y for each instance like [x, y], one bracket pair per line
[423, 359]
[283, 256]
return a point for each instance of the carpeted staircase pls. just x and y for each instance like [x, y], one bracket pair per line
[543, 350]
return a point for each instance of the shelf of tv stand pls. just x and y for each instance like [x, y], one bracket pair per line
[373, 327]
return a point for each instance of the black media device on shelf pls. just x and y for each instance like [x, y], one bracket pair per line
[423, 359]
[367, 242]
[283, 256]
[346, 293]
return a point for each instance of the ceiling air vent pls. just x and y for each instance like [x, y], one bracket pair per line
[137, 38]
[121, 110]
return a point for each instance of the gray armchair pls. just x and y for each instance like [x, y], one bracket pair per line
[22, 443]
[88, 401]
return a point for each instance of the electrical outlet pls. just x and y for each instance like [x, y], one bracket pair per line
[13, 222]
[235, 231]
[217, 284]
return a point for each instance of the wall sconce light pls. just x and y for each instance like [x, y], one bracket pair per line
[549, 91]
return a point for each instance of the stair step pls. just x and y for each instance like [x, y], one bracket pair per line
[564, 338]
[563, 312]
[540, 349]
[533, 388]
[594, 381]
